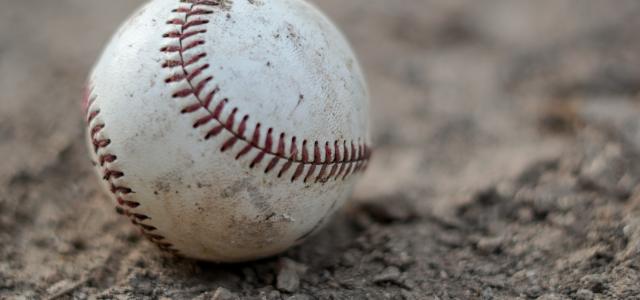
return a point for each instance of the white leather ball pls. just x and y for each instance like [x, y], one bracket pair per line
[228, 131]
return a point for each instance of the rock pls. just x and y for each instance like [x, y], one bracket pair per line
[489, 245]
[390, 274]
[594, 282]
[349, 259]
[632, 228]
[144, 288]
[224, 294]
[400, 259]
[273, 295]
[551, 296]
[289, 275]
[487, 294]
[203, 296]
[390, 209]
[300, 297]
[583, 294]
[59, 286]
[533, 291]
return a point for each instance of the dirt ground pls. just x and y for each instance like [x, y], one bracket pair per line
[508, 156]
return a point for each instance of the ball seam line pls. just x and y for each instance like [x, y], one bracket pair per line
[106, 159]
[340, 160]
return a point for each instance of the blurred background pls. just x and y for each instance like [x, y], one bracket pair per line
[507, 137]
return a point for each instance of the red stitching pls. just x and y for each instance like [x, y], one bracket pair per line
[130, 204]
[108, 174]
[105, 161]
[257, 160]
[332, 166]
[203, 2]
[107, 158]
[190, 24]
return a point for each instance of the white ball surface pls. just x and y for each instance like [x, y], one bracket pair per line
[228, 131]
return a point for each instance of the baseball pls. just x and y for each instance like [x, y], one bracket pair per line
[228, 131]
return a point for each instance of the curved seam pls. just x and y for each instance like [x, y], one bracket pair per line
[359, 156]
[105, 158]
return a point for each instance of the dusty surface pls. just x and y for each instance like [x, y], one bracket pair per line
[508, 158]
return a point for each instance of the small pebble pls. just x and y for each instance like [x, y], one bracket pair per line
[401, 209]
[593, 282]
[390, 274]
[584, 294]
[551, 297]
[224, 294]
[273, 295]
[59, 286]
[300, 297]
[534, 291]
[289, 275]
[489, 245]
[487, 294]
